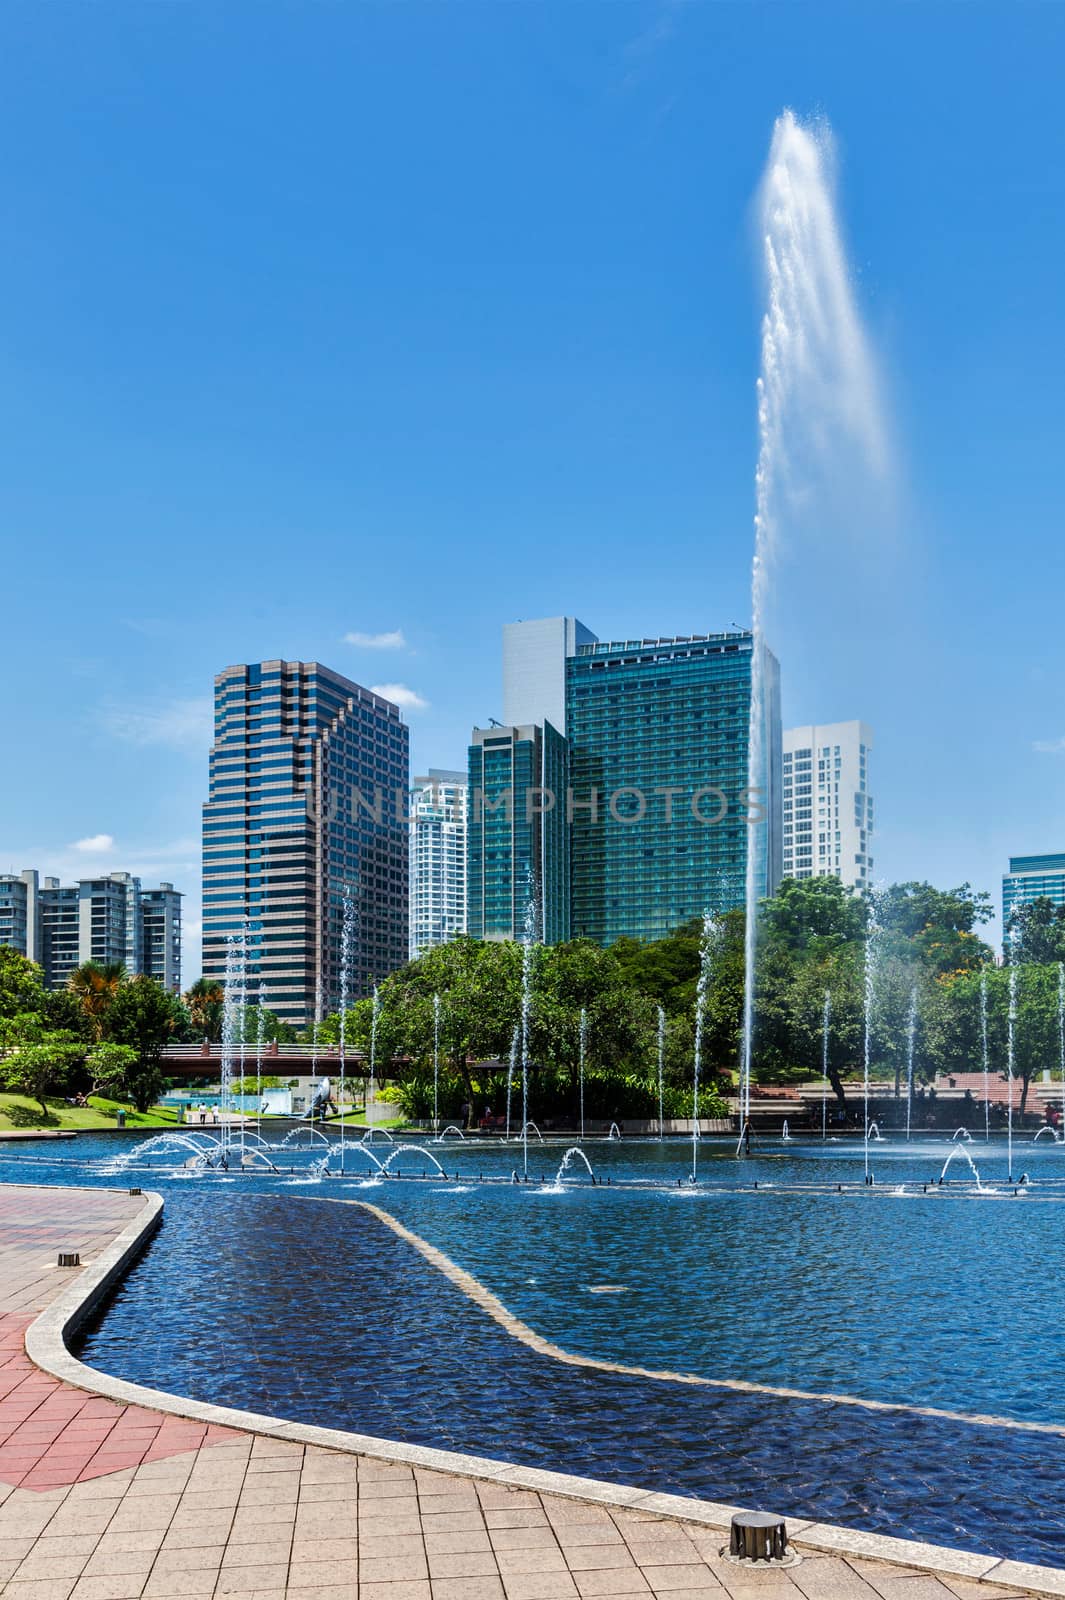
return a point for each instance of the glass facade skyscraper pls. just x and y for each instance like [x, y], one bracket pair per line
[309, 775]
[658, 732]
[517, 839]
[649, 814]
[1032, 878]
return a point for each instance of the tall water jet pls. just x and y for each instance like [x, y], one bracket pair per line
[1011, 1048]
[1061, 1038]
[436, 1063]
[661, 1067]
[826, 1024]
[528, 946]
[984, 1053]
[867, 1032]
[582, 1048]
[232, 1025]
[371, 1087]
[515, 1047]
[702, 989]
[817, 393]
[347, 946]
[260, 1042]
[911, 1040]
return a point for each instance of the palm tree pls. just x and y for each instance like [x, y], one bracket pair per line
[205, 1002]
[95, 983]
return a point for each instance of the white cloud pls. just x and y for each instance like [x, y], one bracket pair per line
[400, 695]
[178, 724]
[377, 641]
[1049, 747]
[97, 844]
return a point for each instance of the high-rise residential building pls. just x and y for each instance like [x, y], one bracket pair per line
[1032, 878]
[437, 859]
[309, 782]
[828, 808]
[655, 812]
[60, 931]
[161, 935]
[20, 913]
[102, 919]
[110, 927]
[517, 836]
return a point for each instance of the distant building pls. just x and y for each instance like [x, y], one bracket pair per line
[518, 846]
[102, 919]
[309, 782]
[20, 914]
[161, 933]
[535, 658]
[649, 816]
[828, 819]
[437, 859]
[1032, 878]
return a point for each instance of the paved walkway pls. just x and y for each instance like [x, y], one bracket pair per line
[100, 1501]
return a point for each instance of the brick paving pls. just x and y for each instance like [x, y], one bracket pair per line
[100, 1501]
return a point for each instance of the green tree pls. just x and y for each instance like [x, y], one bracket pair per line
[1036, 933]
[110, 1068]
[146, 1017]
[94, 985]
[42, 1067]
[205, 1004]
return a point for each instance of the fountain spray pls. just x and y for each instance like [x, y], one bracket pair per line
[661, 1066]
[527, 948]
[701, 990]
[260, 1040]
[817, 390]
[984, 1051]
[347, 940]
[583, 1048]
[515, 1046]
[1061, 1039]
[826, 1023]
[436, 1063]
[867, 1041]
[371, 1090]
[911, 1040]
[1011, 1037]
[232, 1026]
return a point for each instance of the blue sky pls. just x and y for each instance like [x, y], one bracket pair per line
[362, 319]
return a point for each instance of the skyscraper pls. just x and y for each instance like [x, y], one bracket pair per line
[309, 775]
[828, 809]
[1032, 878]
[437, 859]
[651, 813]
[517, 834]
[658, 731]
[20, 914]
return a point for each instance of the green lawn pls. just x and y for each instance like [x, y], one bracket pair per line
[19, 1111]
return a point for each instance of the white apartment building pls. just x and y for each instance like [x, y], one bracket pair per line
[105, 919]
[828, 809]
[437, 859]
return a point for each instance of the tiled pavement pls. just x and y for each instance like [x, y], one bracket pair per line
[104, 1502]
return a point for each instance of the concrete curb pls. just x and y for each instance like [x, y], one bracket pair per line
[47, 1348]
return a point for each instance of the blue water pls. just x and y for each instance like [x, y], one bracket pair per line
[257, 1294]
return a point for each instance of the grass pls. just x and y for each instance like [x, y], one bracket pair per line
[20, 1111]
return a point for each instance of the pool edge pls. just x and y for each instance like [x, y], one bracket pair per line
[46, 1345]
